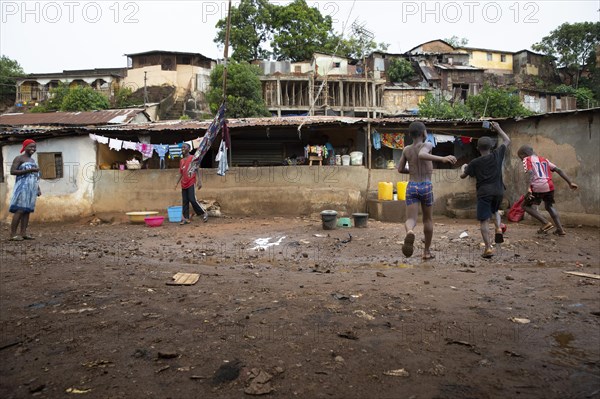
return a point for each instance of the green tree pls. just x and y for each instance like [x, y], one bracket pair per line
[84, 98]
[55, 99]
[244, 91]
[440, 108]
[457, 42]
[250, 30]
[124, 98]
[572, 45]
[400, 69]
[584, 96]
[497, 103]
[299, 31]
[9, 70]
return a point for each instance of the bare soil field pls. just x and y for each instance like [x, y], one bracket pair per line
[86, 312]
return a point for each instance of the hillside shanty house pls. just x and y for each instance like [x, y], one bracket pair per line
[35, 87]
[493, 61]
[328, 85]
[66, 159]
[188, 73]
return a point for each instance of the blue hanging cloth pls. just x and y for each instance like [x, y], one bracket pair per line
[376, 140]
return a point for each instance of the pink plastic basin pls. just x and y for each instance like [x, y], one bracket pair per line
[154, 221]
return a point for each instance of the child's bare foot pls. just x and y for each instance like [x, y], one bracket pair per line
[427, 255]
[408, 246]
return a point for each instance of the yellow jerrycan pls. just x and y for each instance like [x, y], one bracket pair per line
[401, 188]
[385, 191]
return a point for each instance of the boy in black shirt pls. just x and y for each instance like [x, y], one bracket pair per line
[487, 169]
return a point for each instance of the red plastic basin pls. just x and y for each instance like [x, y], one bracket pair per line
[154, 221]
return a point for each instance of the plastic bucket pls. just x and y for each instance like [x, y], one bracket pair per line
[360, 219]
[329, 219]
[401, 187]
[344, 222]
[356, 158]
[174, 213]
[385, 191]
[345, 160]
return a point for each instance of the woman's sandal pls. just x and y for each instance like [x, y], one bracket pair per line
[16, 238]
[184, 221]
[27, 237]
[560, 233]
[545, 228]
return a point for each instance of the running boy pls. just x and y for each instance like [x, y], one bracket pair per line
[541, 188]
[487, 169]
[419, 189]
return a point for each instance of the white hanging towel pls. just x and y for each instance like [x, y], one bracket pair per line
[102, 139]
[115, 144]
[222, 159]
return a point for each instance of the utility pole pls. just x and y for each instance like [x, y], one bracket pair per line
[145, 89]
[364, 37]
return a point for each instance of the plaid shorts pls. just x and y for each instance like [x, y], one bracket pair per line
[421, 192]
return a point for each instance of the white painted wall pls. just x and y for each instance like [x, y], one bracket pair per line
[68, 197]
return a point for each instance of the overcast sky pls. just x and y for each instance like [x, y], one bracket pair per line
[51, 36]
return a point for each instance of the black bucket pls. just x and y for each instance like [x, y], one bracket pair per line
[329, 219]
[360, 219]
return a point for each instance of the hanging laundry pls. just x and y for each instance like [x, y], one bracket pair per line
[443, 138]
[161, 150]
[93, 137]
[145, 149]
[431, 139]
[226, 134]
[102, 139]
[196, 143]
[115, 144]
[175, 151]
[376, 140]
[222, 159]
[129, 145]
[393, 140]
[466, 140]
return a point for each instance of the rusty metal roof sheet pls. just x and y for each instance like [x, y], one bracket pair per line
[236, 123]
[104, 117]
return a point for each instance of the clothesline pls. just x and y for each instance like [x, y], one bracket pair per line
[396, 140]
[174, 150]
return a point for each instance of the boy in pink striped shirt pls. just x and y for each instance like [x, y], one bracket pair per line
[541, 188]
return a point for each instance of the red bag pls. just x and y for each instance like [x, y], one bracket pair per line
[516, 212]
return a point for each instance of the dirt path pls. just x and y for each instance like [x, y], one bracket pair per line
[86, 312]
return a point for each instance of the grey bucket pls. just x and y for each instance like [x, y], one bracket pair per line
[360, 219]
[329, 219]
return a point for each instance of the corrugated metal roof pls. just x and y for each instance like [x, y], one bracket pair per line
[103, 117]
[236, 123]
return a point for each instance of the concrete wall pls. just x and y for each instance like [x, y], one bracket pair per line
[572, 142]
[279, 190]
[68, 197]
[397, 101]
[479, 60]
[182, 78]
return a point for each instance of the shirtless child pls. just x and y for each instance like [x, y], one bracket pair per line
[419, 189]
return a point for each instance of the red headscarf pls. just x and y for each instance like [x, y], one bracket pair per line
[26, 143]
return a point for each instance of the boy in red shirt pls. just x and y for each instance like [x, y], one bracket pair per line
[541, 188]
[188, 194]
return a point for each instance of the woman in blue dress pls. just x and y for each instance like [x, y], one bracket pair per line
[25, 192]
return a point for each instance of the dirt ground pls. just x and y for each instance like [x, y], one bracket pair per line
[86, 312]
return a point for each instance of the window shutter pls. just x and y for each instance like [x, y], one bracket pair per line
[47, 165]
